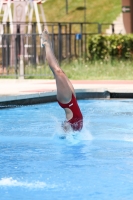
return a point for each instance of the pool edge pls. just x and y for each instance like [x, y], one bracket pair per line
[47, 97]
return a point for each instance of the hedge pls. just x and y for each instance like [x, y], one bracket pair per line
[105, 47]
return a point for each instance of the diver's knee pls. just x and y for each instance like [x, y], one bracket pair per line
[59, 72]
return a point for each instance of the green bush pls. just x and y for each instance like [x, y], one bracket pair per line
[103, 47]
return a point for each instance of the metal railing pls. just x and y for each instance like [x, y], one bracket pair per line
[69, 40]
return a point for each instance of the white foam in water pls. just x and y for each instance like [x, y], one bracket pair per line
[74, 137]
[86, 135]
[128, 138]
[10, 182]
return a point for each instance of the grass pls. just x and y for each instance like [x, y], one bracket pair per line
[80, 70]
[118, 70]
[96, 11]
[105, 11]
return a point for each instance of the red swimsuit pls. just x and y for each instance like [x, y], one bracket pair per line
[77, 119]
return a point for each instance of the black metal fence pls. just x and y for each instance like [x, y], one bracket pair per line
[69, 40]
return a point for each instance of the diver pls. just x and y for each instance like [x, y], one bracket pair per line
[65, 92]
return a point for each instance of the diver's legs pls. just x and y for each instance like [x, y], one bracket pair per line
[64, 86]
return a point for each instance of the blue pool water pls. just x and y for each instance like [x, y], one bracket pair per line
[97, 163]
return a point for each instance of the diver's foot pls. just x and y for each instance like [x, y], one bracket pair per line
[45, 38]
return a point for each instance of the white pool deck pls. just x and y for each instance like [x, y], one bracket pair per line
[12, 89]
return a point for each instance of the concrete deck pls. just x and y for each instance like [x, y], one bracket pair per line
[13, 91]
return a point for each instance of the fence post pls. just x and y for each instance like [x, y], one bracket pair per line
[113, 28]
[70, 29]
[99, 28]
[59, 43]
[34, 43]
[81, 46]
[16, 56]
[3, 52]
[66, 40]
[8, 45]
[85, 42]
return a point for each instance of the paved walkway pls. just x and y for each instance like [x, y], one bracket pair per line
[25, 92]
[9, 87]
[119, 26]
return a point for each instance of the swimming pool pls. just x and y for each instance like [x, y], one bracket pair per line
[35, 163]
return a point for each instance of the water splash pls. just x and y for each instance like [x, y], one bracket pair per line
[73, 137]
[10, 182]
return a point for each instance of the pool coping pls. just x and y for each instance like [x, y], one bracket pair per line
[47, 97]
